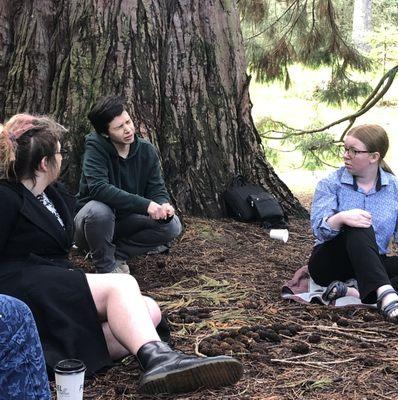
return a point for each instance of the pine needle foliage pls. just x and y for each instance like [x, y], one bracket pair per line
[279, 33]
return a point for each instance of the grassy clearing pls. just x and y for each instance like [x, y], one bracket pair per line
[297, 107]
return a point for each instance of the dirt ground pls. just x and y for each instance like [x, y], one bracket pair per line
[220, 289]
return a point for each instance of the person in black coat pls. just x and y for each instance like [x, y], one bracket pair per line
[96, 318]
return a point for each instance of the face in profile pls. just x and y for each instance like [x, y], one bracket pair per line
[55, 165]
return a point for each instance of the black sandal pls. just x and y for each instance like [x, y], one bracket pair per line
[388, 309]
[340, 289]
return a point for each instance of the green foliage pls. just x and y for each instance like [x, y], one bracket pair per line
[279, 33]
[384, 12]
[384, 44]
[271, 154]
[342, 89]
[315, 34]
[317, 149]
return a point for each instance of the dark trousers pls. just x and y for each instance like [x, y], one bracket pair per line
[354, 254]
[97, 230]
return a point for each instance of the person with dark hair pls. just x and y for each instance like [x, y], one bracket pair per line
[22, 368]
[123, 204]
[354, 216]
[92, 317]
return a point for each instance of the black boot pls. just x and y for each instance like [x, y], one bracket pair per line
[168, 371]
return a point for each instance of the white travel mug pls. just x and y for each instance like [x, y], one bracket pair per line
[279, 234]
[69, 379]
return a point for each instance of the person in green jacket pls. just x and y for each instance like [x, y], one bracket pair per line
[123, 204]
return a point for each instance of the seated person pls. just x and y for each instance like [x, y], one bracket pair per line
[122, 195]
[22, 369]
[93, 317]
[354, 216]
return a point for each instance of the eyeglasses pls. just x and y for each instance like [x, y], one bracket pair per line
[352, 153]
[63, 152]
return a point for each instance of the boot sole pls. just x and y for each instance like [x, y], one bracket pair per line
[210, 374]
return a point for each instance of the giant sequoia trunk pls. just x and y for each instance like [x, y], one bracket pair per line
[179, 63]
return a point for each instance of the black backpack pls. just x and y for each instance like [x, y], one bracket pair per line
[246, 202]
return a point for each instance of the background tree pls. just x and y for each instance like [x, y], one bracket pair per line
[181, 66]
[362, 24]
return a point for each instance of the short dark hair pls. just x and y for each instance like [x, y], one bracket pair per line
[103, 112]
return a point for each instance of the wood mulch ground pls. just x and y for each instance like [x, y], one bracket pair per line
[220, 289]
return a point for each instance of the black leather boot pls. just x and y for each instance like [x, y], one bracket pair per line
[169, 371]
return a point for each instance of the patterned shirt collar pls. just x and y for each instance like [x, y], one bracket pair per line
[348, 179]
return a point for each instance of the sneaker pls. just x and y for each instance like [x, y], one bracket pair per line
[121, 267]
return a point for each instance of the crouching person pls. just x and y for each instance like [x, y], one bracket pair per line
[123, 203]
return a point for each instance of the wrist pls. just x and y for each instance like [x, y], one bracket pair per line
[336, 221]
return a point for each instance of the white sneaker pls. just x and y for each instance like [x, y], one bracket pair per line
[121, 267]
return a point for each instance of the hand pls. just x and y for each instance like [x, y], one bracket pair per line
[169, 209]
[356, 218]
[156, 211]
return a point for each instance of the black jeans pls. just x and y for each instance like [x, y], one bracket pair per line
[354, 254]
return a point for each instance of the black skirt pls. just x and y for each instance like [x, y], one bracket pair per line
[63, 308]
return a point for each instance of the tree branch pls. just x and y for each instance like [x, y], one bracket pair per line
[370, 101]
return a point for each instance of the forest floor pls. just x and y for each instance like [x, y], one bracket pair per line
[222, 279]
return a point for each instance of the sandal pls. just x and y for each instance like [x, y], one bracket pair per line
[338, 289]
[388, 309]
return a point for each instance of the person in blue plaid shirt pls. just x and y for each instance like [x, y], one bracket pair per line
[23, 373]
[354, 217]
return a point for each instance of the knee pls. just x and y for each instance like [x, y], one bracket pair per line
[99, 212]
[124, 282]
[359, 233]
[173, 228]
[154, 310]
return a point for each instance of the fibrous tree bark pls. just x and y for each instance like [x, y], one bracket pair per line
[179, 63]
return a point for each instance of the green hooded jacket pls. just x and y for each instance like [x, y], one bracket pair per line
[125, 185]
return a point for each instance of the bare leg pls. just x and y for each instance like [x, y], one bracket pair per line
[120, 303]
[117, 350]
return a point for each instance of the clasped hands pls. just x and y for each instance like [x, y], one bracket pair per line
[160, 211]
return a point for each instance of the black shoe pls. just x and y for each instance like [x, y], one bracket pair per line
[168, 371]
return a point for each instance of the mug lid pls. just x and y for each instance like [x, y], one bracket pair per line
[70, 366]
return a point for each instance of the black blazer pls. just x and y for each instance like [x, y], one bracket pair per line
[34, 268]
[29, 229]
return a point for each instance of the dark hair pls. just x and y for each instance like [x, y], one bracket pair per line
[375, 139]
[24, 141]
[103, 112]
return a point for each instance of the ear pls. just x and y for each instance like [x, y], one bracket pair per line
[43, 165]
[375, 157]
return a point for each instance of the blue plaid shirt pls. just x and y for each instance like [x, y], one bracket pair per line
[340, 192]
